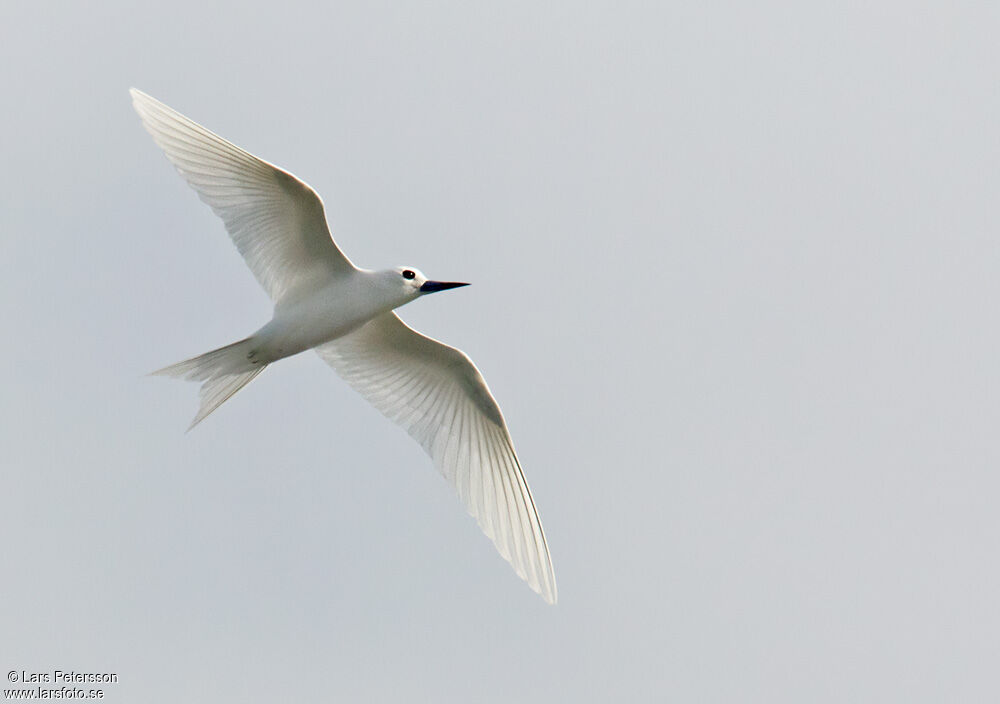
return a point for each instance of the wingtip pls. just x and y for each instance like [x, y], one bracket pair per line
[198, 418]
[544, 587]
[141, 100]
[551, 595]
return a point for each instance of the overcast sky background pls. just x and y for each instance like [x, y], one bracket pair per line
[735, 288]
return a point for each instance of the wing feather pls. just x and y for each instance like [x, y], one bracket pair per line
[276, 221]
[439, 397]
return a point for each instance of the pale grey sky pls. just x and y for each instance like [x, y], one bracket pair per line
[735, 287]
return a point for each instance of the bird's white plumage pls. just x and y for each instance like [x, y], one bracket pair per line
[432, 390]
[438, 395]
[276, 221]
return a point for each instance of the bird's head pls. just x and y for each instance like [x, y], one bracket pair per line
[411, 283]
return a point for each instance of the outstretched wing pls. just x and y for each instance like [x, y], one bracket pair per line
[276, 221]
[436, 393]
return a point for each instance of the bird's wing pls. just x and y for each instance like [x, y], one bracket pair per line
[436, 393]
[276, 221]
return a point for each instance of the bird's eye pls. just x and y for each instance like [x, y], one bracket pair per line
[407, 274]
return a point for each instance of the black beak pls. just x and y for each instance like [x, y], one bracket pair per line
[432, 286]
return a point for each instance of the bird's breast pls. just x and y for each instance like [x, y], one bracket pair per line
[313, 321]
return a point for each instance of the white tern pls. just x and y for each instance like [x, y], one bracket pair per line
[323, 302]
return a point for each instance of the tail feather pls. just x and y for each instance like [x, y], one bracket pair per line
[215, 392]
[222, 372]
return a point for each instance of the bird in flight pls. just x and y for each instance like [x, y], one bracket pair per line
[323, 302]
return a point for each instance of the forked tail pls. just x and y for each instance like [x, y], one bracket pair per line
[222, 372]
